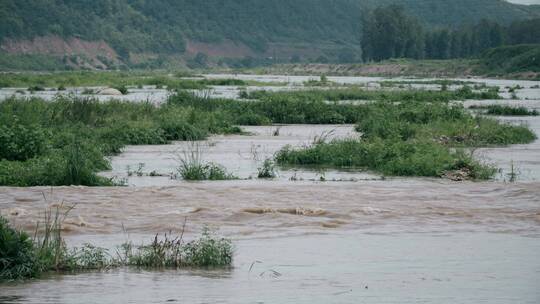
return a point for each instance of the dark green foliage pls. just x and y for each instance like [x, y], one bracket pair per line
[312, 106]
[64, 142]
[204, 171]
[21, 142]
[507, 110]
[511, 59]
[122, 89]
[36, 88]
[387, 156]
[347, 94]
[523, 32]
[17, 259]
[390, 32]
[209, 251]
[31, 62]
[412, 139]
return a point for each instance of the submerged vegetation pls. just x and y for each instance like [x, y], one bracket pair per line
[24, 257]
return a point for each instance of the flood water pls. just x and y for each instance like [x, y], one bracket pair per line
[312, 235]
[407, 241]
[241, 155]
[348, 268]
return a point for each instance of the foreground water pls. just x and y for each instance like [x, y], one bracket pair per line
[344, 268]
[397, 241]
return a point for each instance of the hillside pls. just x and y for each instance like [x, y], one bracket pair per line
[105, 33]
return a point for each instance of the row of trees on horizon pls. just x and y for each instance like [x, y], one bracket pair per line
[389, 32]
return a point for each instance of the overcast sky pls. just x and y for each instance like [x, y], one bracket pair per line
[525, 1]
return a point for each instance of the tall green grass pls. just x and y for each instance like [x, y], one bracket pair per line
[506, 110]
[412, 139]
[64, 142]
[192, 167]
[23, 257]
[357, 93]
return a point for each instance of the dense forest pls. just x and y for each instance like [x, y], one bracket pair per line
[389, 32]
[160, 31]
[163, 26]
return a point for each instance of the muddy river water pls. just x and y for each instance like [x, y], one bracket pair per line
[309, 236]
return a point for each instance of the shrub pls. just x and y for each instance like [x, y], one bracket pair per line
[17, 257]
[20, 142]
[209, 251]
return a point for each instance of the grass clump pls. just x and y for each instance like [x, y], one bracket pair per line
[21, 142]
[172, 252]
[23, 257]
[389, 157]
[204, 171]
[507, 110]
[17, 256]
[355, 93]
[310, 107]
[193, 168]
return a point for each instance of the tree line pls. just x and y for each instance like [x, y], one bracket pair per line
[389, 32]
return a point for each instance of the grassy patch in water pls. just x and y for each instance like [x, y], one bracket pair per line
[23, 257]
[193, 168]
[273, 110]
[412, 139]
[389, 157]
[65, 141]
[506, 110]
[37, 81]
[172, 252]
[356, 93]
